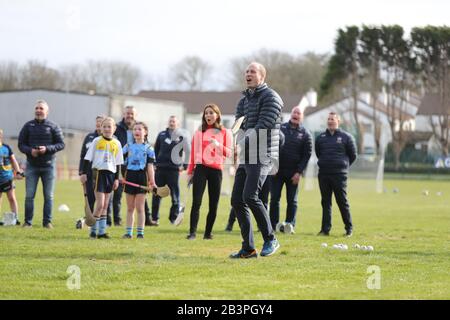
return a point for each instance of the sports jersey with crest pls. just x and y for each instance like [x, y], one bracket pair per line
[138, 155]
[6, 172]
[105, 154]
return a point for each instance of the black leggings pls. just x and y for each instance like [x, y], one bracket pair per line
[203, 174]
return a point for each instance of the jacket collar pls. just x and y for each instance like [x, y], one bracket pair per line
[250, 92]
[336, 131]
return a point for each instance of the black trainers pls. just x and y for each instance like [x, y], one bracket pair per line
[118, 223]
[348, 233]
[323, 233]
[127, 236]
[103, 236]
[229, 228]
[208, 237]
[92, 235]
[140, 236]
[26, 225]
[17, 223]
[243, 254]
[191, 236]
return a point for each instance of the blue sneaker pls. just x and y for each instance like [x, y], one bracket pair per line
[270, 247]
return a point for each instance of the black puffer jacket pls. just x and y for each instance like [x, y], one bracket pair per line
[121, 132]
[335, 152]
[262, 110]
[41, 133]
[297, 149]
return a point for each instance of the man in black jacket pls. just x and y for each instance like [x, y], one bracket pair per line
[170, 146]
[261, 106]
[294, 157]
[40, 139]
[336, 151]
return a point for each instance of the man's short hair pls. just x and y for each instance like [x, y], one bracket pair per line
[335, 114]
[261, 68]
[41, 101]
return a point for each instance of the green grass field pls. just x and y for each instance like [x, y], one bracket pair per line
[409, 231]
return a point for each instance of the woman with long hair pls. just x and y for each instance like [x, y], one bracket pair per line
[211, 144]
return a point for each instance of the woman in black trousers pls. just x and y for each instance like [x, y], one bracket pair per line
[210, 147]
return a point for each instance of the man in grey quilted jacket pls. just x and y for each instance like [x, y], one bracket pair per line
[258, 145]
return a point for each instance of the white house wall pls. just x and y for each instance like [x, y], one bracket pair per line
[155, 113]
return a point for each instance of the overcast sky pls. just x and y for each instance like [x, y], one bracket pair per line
[153, 35]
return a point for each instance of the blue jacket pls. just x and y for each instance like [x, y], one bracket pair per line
[41, 133]
[163, 149]
[297, 148]
[335, 153]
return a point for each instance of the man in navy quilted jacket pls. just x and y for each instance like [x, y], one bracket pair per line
[294, 157]
[336, 151]
[40, 139]
[259, 147]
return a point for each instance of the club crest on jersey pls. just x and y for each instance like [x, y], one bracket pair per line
[300, 136]
[339, 140]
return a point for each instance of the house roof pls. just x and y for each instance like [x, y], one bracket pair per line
[54, 90]
[431, 105]
[195, 101]
[378, 105]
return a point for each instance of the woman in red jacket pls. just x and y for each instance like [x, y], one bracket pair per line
[210, 146]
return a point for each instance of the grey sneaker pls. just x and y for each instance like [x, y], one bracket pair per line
[280, 227]
[270, 247]
[289, 228]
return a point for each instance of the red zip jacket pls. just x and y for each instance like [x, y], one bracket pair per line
[207, 153]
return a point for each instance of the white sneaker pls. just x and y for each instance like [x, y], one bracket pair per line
[289, 228]
[179, 218]
[280, 227]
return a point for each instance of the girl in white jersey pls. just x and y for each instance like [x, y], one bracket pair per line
[105, 154]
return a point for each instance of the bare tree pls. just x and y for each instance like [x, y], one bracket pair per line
[113, 77]
[395, 59]
[190, 73]
[9, 75]
[36, 74]
[432, 53]
[285, 73]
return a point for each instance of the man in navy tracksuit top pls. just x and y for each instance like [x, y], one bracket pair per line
[294, 157]
[40, 139]
[169, 148]
[336, 151]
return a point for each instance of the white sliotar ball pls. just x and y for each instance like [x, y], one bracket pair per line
[324, 245]
[369, 248]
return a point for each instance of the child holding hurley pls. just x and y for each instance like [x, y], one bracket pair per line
[139, 170]
[105, 154]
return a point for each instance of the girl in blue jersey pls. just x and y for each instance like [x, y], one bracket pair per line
[139, 169]
[8, 163]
